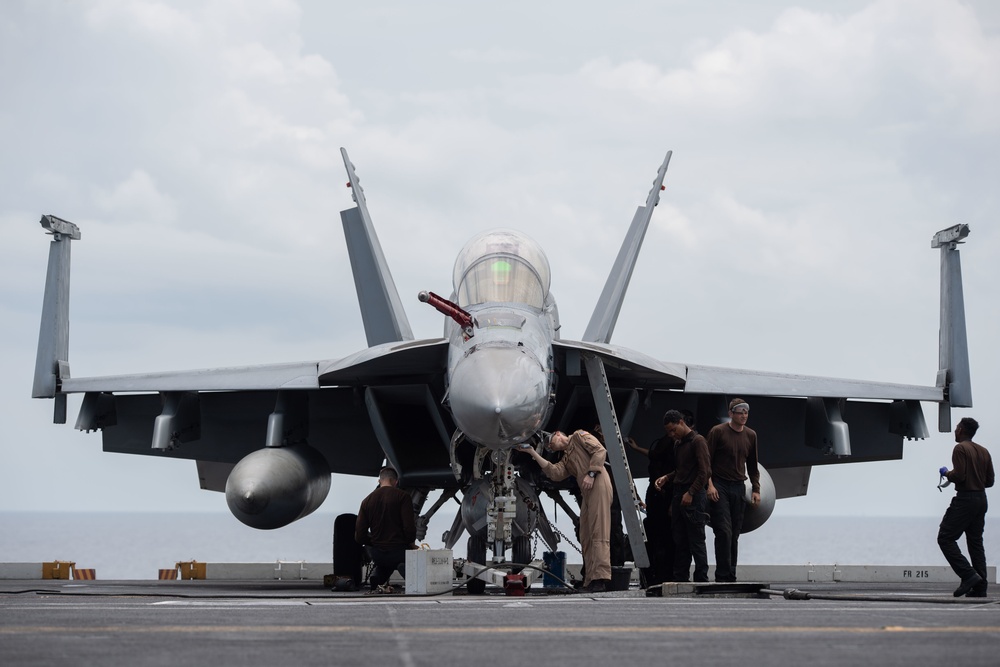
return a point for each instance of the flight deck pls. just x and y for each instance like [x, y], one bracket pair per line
[56, 622]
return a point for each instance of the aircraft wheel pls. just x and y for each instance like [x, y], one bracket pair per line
[521, 552]
[476, 552]
[347, 554]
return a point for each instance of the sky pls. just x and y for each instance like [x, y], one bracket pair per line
[818, 146]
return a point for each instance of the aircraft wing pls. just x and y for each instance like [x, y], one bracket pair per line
[623, 364]
[735, 381]
[302, 375]
[643, 371]
[391, 360]
[800, 420]
[348, 409]
[387, 363]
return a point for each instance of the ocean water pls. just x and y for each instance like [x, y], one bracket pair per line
[135, 545]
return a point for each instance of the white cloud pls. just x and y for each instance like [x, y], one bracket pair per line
[492, 56]
[136, 199]
[223, 94]
[148, 19]
[893, 60]
[815, 152]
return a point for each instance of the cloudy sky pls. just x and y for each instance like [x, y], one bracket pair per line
[817, 148]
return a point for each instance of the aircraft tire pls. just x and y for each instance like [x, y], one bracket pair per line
[521, 551]
[347, 554]
[476, 552]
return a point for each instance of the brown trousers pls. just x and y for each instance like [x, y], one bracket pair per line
[595, 529]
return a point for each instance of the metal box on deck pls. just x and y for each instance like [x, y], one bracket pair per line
[429, 570]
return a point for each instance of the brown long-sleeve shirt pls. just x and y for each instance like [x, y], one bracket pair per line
[693, 464]
[583, 454]
[734, 454]
[661, 457]
[972, 467]
[386, 519]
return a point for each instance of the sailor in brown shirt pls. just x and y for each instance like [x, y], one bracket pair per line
[972, 474]
[733, 448]
[659, 532]
[688, 509]
[386, 527]
[583, 458]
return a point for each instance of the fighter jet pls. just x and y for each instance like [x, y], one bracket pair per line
[449, 413]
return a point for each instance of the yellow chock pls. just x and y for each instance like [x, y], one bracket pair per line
[58, 569]
[87, 573]
[191, 569]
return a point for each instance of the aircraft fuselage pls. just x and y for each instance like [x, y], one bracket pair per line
[500, 379]
[500, 375]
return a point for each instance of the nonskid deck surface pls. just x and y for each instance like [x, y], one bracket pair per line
[275, 622]
[311, 591]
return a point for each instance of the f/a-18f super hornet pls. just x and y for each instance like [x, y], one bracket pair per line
[449, 413]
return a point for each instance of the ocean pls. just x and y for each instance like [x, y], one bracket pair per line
[127, 545]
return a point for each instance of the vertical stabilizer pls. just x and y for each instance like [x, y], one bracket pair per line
[602, 322]
[953, 347]
[52, 360]
[381, 310]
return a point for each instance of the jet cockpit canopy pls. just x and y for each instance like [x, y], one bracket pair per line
[502, 265]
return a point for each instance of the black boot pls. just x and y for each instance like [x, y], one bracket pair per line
[972, 582]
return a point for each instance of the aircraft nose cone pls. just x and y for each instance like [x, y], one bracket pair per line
[498, 396]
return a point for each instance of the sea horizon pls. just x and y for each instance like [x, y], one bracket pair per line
[135, 545]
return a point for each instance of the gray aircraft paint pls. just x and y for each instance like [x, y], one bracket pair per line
[389, 401]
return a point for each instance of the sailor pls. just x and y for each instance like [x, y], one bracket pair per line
[689, 506]
[619, 544]
[660, 544]
[583, 458]
[733, 449]
[972, 474]
[386, 527]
